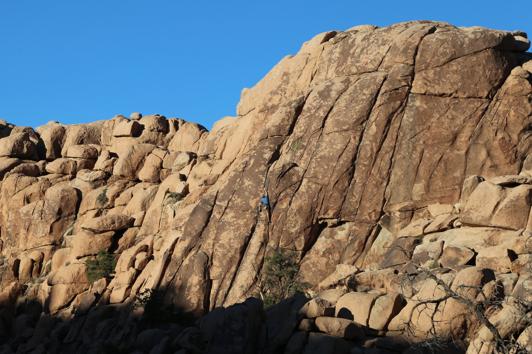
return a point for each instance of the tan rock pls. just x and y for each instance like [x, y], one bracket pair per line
[52, 138]
[135, 116]
[164, 174]
[113, 192]
[37, 256]
[187, 137]
[340, 327]
[415, 229]
[151, 224]
[7, 165]
[81, 152]
[470, 183]
[523, 286]
[508, 281]
[399, 252]
[182, 188]
[73, 273]
[139, 218]
[522, 262]
[510, 180]
[155, 123]
[61, 256]
[105, 162]
[456, 256]
[84, 164]
[25, 269]
[331, 295]
[181, 159]
[453, 318]
[108, 223]
[343, 271]
[420, 317]
[527, 164]
[378, 279]
[62, 166]
[169, 158]
[88, 244]
[142, 198]
[66, 283]
[126, 195]
[492, 205]
[127, 258]
[141, 260]
[519, 242]
[469, 40]
[126, 128]
[150, 172]
[525, 339]
[91, 176]
[44, 222]
[28, 130]
[316, 41]
[131, 161]
[17, 145]
[86, 187]
[512, 212]
[441, 223]
[385, 308]
[439, 209]
[28, 169]
[128, 239]
[317, 307]
[474, 238]
[362, 28]
[82, 134]
[498, 258]
[355, 307]
[122, 286]
[427, 252]
[482, 204]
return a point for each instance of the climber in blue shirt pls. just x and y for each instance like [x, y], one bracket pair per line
[264, 204]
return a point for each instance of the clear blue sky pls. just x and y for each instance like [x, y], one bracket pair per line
[82, 61]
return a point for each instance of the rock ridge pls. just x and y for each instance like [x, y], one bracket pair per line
[366, 139]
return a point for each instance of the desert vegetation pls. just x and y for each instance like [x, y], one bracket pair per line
[103, 266]
[280, 278]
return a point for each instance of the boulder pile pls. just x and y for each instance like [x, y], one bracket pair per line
[398, 166]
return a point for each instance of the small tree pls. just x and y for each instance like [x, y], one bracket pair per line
[102, 198]
[101, 267]
[280, 279]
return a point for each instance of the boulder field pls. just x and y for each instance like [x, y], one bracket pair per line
[397, 162]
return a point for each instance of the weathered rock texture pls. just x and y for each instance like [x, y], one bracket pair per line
[365, 141]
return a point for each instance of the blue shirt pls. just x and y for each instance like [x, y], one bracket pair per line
[265, 200]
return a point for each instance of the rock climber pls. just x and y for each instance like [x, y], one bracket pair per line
[264, 204]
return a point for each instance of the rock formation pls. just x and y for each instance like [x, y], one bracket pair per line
[381, 150]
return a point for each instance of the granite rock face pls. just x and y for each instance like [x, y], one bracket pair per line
[368, 142]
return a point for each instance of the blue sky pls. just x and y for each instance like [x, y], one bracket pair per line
[82, 61]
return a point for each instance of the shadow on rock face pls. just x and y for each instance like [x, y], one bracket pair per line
[345, 313]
